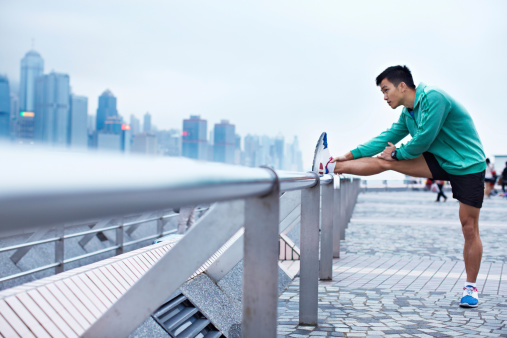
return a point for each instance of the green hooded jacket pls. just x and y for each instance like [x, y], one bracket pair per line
[440, 126]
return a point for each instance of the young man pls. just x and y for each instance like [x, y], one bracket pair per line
[444, 146]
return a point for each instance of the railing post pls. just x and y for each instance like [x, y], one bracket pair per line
[260, 265]
[120, 234]
[160, 226]
[326, 232]
[343, 207]
[337, 215]
[309, 261]
[60, 248]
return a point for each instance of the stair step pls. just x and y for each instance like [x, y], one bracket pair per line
[165, 311]
[194, 329]
[180, 318]
[213, 334]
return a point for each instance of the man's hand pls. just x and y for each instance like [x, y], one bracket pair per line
[386, 154]
[347, 157]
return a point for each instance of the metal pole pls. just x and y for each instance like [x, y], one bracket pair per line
[60, 248]
[337, 215]
[343, 207]
[260, 265]
[120, 237]
[309, 261]
[160, 226]
[326, 233]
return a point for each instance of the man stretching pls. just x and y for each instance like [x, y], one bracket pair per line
[444, 146]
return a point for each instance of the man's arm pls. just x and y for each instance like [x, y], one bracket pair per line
[377, 144]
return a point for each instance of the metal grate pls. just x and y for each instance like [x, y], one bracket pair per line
[180, 318]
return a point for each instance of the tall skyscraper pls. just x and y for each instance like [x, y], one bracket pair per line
[194, 141]
[147, 123]
[279, 152]
[225, 142]
[135, 125]
[32, 66]
[5, 109]
[107, 108]
[78, 131]
[252, 146]
[14, 113]
[52, 108]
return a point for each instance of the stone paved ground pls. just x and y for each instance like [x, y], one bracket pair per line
[401, 273]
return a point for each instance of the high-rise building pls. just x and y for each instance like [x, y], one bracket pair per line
[32, 66]
[106, 109]
[78, 131]
[144, 143]
[169, 142]
[14, 113]
[252, 146]
[5, 109]
[294, 156]
[119, 140]
[225, 142]
[147, 123]
[135, 125]
[278, 154]
[25, 128]
[194, 141]
[52, 108]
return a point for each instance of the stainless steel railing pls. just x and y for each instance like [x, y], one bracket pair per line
[44, 188]
[61, 261]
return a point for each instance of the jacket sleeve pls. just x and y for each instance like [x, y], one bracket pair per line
[434, 110]
[374, 146]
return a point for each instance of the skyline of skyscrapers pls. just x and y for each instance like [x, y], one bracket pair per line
[45, 110]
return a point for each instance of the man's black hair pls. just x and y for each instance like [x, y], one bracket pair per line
[396, 75]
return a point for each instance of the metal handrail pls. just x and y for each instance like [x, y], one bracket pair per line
[73, 188]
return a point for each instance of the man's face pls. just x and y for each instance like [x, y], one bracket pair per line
[392, 94]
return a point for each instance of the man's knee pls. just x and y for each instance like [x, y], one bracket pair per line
[470, 228]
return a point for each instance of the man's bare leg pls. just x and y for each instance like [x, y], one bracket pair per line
[367, 166]
[472, 251]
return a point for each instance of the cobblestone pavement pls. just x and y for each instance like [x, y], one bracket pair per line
[401, 272]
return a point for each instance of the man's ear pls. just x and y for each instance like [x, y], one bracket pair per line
[402, 87]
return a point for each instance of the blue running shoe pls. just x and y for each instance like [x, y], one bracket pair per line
[470, 297]
[321, 157]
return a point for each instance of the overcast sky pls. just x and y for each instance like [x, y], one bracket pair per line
[270, 67]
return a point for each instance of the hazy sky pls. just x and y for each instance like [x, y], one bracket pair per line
[270, 67]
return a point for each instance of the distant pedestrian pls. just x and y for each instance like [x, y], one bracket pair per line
[488, 178]
[440, 185]
[503, 178]
[186, 219]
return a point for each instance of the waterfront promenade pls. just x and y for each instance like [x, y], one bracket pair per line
[401, 273]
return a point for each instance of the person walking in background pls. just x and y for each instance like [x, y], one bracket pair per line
[488, 179]
[503, 178]
[440, 185]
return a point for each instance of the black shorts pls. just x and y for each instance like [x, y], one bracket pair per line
[468, 189]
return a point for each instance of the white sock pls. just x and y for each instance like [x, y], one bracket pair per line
[330, 167]
[471, 284]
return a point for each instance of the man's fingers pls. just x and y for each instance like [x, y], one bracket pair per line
[392, 145]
